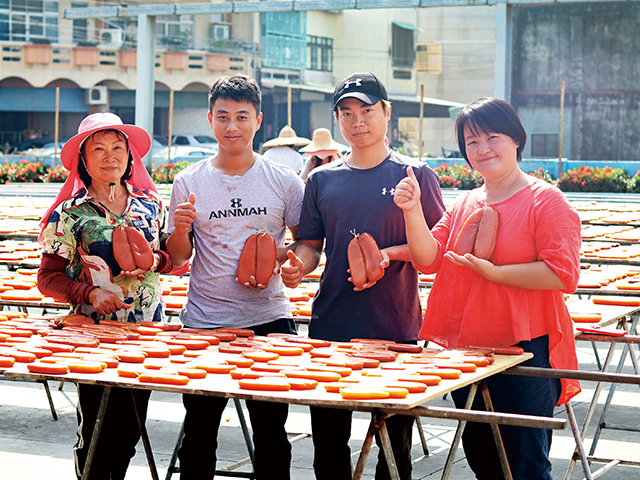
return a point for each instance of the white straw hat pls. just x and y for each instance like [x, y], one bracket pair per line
[287, 137]
[322, 140]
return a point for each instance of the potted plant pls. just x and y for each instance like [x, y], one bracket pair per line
[85, 53]
[128, 54]
[128, 57]
[217, 61]
[175, 56]
[38, 51]
[226, 46]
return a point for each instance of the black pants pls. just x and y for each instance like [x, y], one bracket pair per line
[120, 432]
[331, 430]
[527, 448]
[197, 452]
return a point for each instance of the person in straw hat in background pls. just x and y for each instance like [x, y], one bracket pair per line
[108, 186]
[323, 149]
[282, 149]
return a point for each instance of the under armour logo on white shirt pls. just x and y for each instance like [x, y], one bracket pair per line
[357, 81]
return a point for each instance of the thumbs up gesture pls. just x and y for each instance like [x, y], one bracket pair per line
[185, 214]
[407, 194]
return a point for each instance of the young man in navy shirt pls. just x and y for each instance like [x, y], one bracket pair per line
[355, 194]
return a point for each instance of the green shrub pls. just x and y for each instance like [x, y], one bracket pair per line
[634, 183]
[23, 171]
[594, 179]
[458, 176]
[26, 171]
[57, 174]
[542, 174]
[166, 173]
[5, 172]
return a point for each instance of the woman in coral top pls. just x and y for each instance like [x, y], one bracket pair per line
[515, 296]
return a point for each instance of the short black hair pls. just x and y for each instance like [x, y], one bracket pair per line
[238, 87]
[82, 168]
[490, 115]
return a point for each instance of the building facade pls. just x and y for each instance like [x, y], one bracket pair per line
[298, 57]
[592, 47]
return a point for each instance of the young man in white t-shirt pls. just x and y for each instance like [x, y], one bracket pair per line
[216, 204]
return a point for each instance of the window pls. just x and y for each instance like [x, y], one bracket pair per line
[4, 26]
[545, 145]
[283, 40]
[429, 58]
[79, 25]
[29, 19]
[402, 74]
[175, 31]
[319, 53]
[402, 47]
[408, 129]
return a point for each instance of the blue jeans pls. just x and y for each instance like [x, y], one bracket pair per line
[527, 448]
[272, 457]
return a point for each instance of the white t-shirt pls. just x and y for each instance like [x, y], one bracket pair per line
[286, 156]
[228, 210]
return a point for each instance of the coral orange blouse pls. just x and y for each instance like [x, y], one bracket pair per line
[463, 308]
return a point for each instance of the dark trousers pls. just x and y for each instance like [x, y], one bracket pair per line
[331, 430]
[197, 452]
[527, 448]
[120, 432]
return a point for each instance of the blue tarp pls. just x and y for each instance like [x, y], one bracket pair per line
[21, 99]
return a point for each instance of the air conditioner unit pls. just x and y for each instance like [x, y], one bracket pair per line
[111, 37]
[96, 95]
[220, 31]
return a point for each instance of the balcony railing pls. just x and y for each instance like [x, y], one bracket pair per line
[21, 55]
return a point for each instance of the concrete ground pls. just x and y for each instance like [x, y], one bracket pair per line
[34, 446]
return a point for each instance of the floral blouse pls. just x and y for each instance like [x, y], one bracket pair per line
[81, 229]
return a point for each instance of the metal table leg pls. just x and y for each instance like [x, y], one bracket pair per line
[388, 451]
[578, 438]
[245, 430]
[145, 437]
[377, 424]
[590, 412]
[171, 469]
[96, 433]
[423, 440]
[51, 405]
[458, 436]
[597, 355]
[623, 356]
[502, 454]
[494, 427]
[228, 471]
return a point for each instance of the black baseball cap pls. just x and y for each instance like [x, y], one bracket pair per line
[364, 86]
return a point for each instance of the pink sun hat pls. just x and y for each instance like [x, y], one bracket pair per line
[139, 140]
[139, 143]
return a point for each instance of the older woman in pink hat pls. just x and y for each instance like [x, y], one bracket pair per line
[108, 187]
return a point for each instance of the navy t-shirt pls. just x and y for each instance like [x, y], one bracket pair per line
[340, 199]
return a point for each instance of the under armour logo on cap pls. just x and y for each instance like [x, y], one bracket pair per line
[357, 82]
[364, 86]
